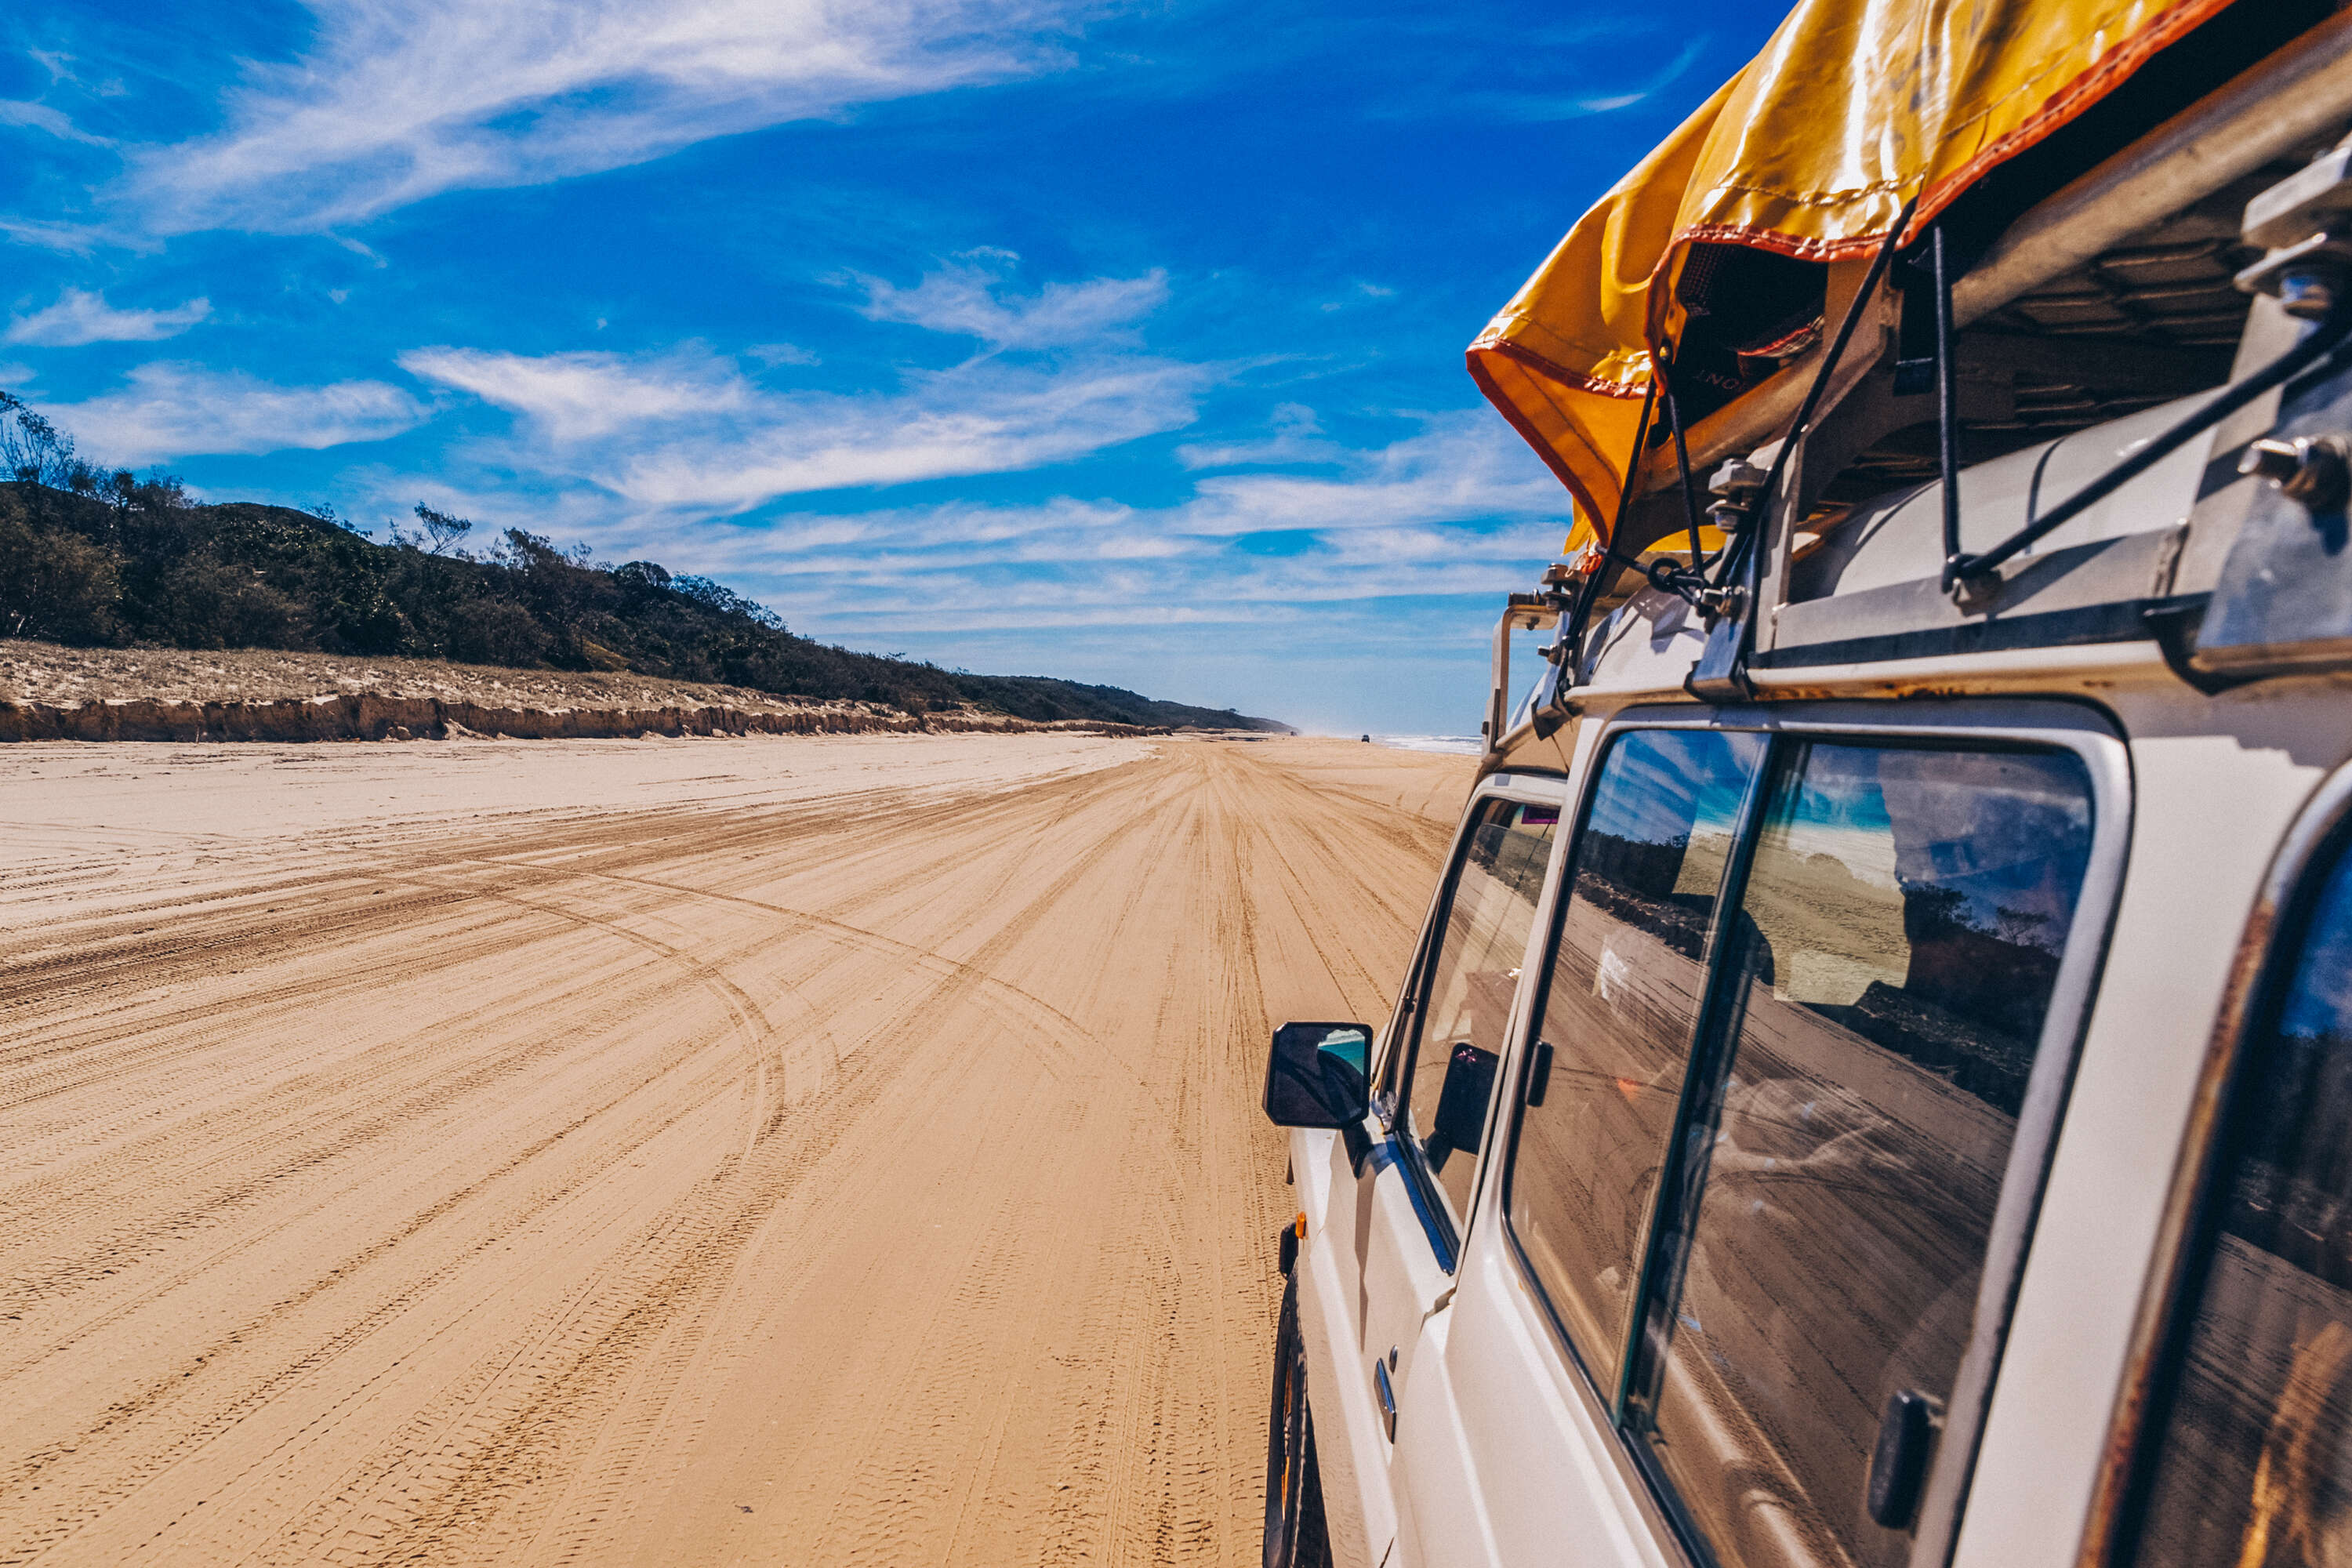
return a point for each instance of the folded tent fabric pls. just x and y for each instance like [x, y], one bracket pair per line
[1851, 110]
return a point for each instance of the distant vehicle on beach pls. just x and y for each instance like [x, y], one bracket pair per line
[1875, 1083]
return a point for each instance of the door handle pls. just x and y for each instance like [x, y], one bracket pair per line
[1387, 1392]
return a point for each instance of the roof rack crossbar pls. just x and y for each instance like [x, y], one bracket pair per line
[2326, 342]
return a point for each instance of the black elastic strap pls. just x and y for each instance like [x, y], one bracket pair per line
[1749, 550]
[1947, 403]
[1681, 464]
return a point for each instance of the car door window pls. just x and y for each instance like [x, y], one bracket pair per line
[1881, 1003]
[2253, 1463]
[1619, 1004]
[1489, 914]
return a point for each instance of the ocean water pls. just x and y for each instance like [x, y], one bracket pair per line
[1463, 746]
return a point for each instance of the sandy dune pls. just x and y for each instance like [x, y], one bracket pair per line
[816, 1152]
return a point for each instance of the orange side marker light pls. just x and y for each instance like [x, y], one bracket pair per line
[1297, 1226]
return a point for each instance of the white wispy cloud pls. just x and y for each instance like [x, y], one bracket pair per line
[1357, 296]
[70, 239]
[1460, 467]
[1294, 440]
[36, 116]
[1543, 105]
[984, 419]
[574, 397]
[775, 354]
[79, 316]
[962, 298]
[61, 69]
[172, 410]
[1455, 508]
[689, 432]
[397, 103]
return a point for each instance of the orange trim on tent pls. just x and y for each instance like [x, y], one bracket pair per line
[1874, 132]
[1527, 432]
[2077, 98]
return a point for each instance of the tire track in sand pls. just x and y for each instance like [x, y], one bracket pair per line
[864, 1179]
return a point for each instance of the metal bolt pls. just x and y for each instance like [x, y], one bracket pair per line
[1735, 485]
[2307, 294]
[1721, 602]
[2311, 469]
[1974, 593]
[2276, 462]
[1738, 478]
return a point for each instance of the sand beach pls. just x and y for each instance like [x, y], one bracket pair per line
[836, 1150]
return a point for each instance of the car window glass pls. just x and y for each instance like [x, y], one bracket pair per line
[1896, 947]
[2254, 1462]
[1618, 1009]
[1487, 918]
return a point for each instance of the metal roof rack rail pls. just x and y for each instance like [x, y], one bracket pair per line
[2306, 268]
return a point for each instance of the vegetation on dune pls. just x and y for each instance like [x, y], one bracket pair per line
[97, 558]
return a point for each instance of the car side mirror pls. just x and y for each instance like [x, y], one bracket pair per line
[1316, 1075]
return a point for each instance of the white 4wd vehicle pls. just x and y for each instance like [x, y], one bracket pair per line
[1874, 1086]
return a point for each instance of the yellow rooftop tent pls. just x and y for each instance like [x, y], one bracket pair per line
[1853, 109]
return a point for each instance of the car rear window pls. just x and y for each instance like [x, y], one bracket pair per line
[1897, 946]
[1793, 1002]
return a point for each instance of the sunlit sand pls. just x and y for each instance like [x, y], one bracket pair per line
[815, 1151]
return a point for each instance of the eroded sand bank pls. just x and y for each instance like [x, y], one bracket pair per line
[830, 1151]
[53, 693]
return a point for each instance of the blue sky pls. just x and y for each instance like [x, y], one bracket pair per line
[1115, 341]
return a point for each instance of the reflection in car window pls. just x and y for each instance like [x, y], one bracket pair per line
[1617, 1015]
[2254, 1464]
[1898, 946]
[1487, 918]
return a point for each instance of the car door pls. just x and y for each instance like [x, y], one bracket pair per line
[1400, 1191]
[1663, 815]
